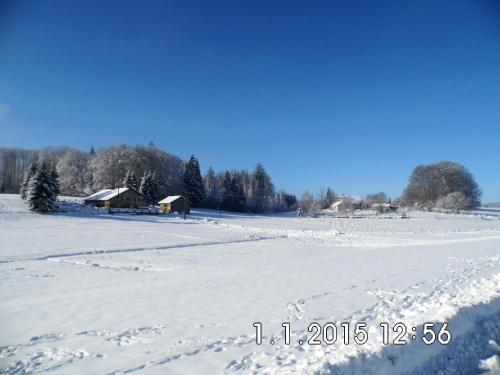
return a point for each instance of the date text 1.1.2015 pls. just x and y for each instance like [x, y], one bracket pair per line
[357, 333]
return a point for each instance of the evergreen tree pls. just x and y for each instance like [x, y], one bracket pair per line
[155, 191]
[210, 181]
[290, 200]
[25, 184]
[238, 199]
[130, 181]
[92, 150]
[328, 199]
[262, 189]
[210, 184]
[149, 188]
[330, 196]
[226, 194]
[193, 183]
[41, 196]
[54, 181]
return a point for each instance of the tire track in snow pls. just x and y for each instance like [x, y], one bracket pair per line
[136, 249]
[337, 237]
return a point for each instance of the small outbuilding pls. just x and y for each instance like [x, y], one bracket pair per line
[175, 203]
[116, 198]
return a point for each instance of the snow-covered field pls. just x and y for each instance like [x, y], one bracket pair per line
[84, 292]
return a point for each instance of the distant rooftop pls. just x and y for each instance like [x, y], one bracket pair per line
[106, 194]
[354, 198]
[170, 199]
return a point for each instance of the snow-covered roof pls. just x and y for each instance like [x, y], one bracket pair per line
[336, 204]
[106, 194]
[381, 205]
[170, 199]
[97, 196]
[352, 198]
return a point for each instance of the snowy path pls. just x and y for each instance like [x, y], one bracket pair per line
[85, 294]
[56, 255]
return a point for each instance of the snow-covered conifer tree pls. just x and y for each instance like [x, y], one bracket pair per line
[149, 188]
[54, 181]
[262, 189]
[238, 199]
[130, 181]
[155, 191]
[193, 183]
[25, 184]
[210, 185]
[41, 196]
[226, 194]
[328, 199]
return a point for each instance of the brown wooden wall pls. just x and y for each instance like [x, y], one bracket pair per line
[128, 199]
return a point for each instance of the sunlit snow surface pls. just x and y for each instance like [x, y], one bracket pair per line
[84, 292]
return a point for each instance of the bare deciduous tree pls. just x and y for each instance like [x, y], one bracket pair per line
[73, 168]
[379, 197]
[306, 201]
[430, 183]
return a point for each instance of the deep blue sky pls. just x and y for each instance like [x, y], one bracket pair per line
[351, 94]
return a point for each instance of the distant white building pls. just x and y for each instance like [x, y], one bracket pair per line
[346, 203]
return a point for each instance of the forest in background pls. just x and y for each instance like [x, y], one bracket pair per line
[82, 173]
[443, 185]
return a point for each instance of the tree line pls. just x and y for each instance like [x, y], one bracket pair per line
[149, 170]
[157, 174]
[442, 185]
